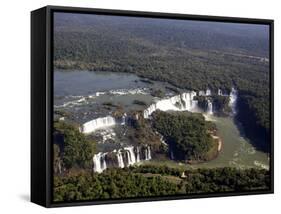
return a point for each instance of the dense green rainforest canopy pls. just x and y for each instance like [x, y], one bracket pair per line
[145, 181]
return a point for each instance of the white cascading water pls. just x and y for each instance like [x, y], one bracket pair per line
[201, 93]
[233, 99]
[182, 102]
[210, 107]
[138, 154]
[103, 162]
[185, 102]
[130, 155]
[120, 159]
[208, 92]
[172, 155]
[99, 162]
[123, 119]
[147, 153]
[98, 123]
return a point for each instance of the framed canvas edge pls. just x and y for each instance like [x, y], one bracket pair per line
[49, 95]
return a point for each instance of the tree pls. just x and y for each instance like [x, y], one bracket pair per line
[77, 150]
[186, 133]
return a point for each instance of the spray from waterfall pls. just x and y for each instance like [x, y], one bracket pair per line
[186, 102]
[233, 100]
[123, 119]
[210, 107]
[130, 155]
[147, 153]
[99, 162]
[120, 159]
[208, 92]
[127, 156]
[172, 155]
[99, 123]
[182, 102]
[138, 154]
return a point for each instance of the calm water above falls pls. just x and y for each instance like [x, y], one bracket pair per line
[87, 82]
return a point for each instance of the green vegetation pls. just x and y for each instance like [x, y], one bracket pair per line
[188, 134]
[141, 133]
[147, 181]
[177, 52]
[74, 149]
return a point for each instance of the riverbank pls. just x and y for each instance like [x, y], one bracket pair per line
[219, 142]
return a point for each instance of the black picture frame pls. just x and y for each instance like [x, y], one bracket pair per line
[42, 100]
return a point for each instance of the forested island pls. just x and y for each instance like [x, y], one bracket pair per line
[188, 133]
[153, 107]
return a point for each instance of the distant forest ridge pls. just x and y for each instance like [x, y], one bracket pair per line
[251, 39]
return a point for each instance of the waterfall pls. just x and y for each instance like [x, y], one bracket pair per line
[147, 153]
[120, 159]
[162, 139]
[201, 93]
[130, 155]
[123, 119]
[210, 107]
[103, 162]
[186, 102]
[172, 155]
[102, 122]
[182, 102]
[98, 123]
[208, 92]
[99, 162]
[138, 154]
[194, 105]
[233, 99]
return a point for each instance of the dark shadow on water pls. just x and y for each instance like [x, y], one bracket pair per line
[258, 143]
[25, 197]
